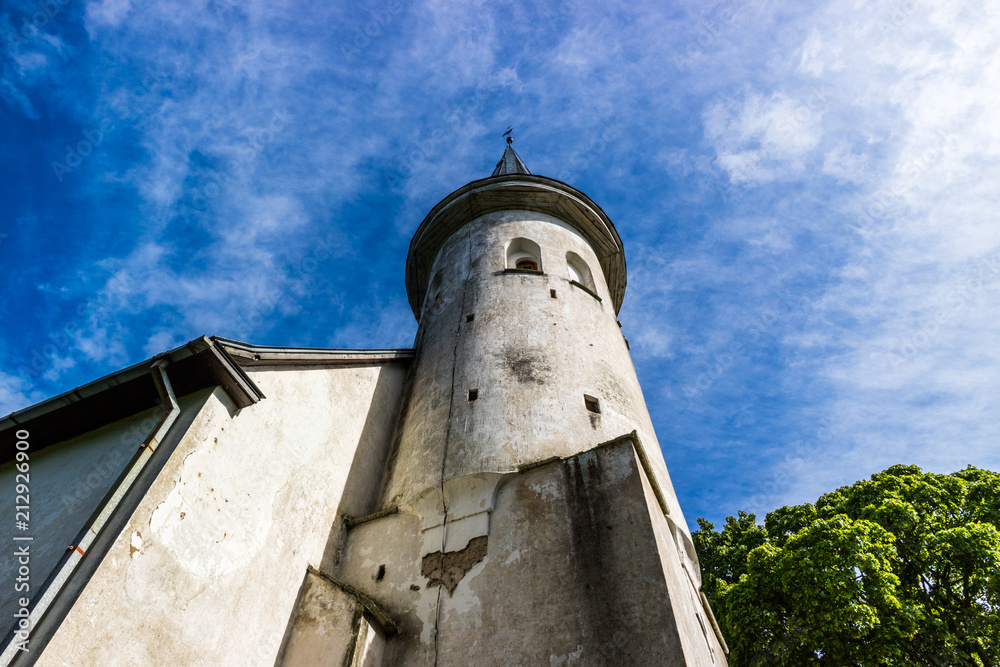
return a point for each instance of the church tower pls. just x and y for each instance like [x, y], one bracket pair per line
[494, 496]
[526, 515]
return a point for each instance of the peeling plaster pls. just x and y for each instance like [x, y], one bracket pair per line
[171, 502]
[135, 545]
[447, 569]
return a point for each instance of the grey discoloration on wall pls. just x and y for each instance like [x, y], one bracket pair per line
[532, 358]
[615, 388]
[576, 574]
[593, 531]
[574, 536]
[447, 568]
[526, 365]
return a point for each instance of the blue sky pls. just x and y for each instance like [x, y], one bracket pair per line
[807, 193]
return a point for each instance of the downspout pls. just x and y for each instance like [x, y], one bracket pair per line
[107, 507]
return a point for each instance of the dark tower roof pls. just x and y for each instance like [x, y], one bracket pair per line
[509, 192]
[512, 186]
[510, 163]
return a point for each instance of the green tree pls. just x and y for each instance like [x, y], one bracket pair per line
[901, 569]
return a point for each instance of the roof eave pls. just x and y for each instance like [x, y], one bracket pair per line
[195, 365]
[248, 355]
[589, 219]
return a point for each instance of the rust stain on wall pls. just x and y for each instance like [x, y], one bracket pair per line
[447, 569]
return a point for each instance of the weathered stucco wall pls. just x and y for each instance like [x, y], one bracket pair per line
[331, 628]
[579, 566]
[323, 631]
[211, 562]
[530, 355]
[571, 570]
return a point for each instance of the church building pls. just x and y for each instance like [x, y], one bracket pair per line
[494, 496]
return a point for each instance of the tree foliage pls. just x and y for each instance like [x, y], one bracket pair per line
[901, 569]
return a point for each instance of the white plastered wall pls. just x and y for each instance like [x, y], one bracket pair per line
[209, 566]
[531, 356]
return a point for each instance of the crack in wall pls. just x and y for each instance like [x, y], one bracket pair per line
[447, 439]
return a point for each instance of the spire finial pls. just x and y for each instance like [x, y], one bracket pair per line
[510, 163]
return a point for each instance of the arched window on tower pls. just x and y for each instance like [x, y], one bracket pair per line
[524, 254]
[579, 272]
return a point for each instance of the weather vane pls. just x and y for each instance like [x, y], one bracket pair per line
[510, 139]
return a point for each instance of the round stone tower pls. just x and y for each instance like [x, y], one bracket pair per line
[516, 281]
[526, 515]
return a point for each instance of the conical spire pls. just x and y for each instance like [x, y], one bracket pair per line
[510, 163]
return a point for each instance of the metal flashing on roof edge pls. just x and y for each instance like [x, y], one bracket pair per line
[262, 355]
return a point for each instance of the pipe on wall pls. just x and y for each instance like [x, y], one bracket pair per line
[110, 503]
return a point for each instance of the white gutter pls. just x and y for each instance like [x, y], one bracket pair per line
[108, 505]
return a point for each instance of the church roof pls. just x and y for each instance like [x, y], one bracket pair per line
[203, 362]
[196, 365]
[510, 163]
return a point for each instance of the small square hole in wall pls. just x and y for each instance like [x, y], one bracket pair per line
[473, 394]
[592, 403]
[470, 317]
[552, 293]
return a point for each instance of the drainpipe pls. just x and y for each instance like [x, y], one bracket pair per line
[107, 507]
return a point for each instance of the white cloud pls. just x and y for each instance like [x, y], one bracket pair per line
[810, 62]
[763, 137]
[845, 164]
[31, 55]
[106, 13]
[15, 393]
[859, 140]
[914, 375]
[161, 341]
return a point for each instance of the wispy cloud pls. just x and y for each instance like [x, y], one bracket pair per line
[807, 196]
